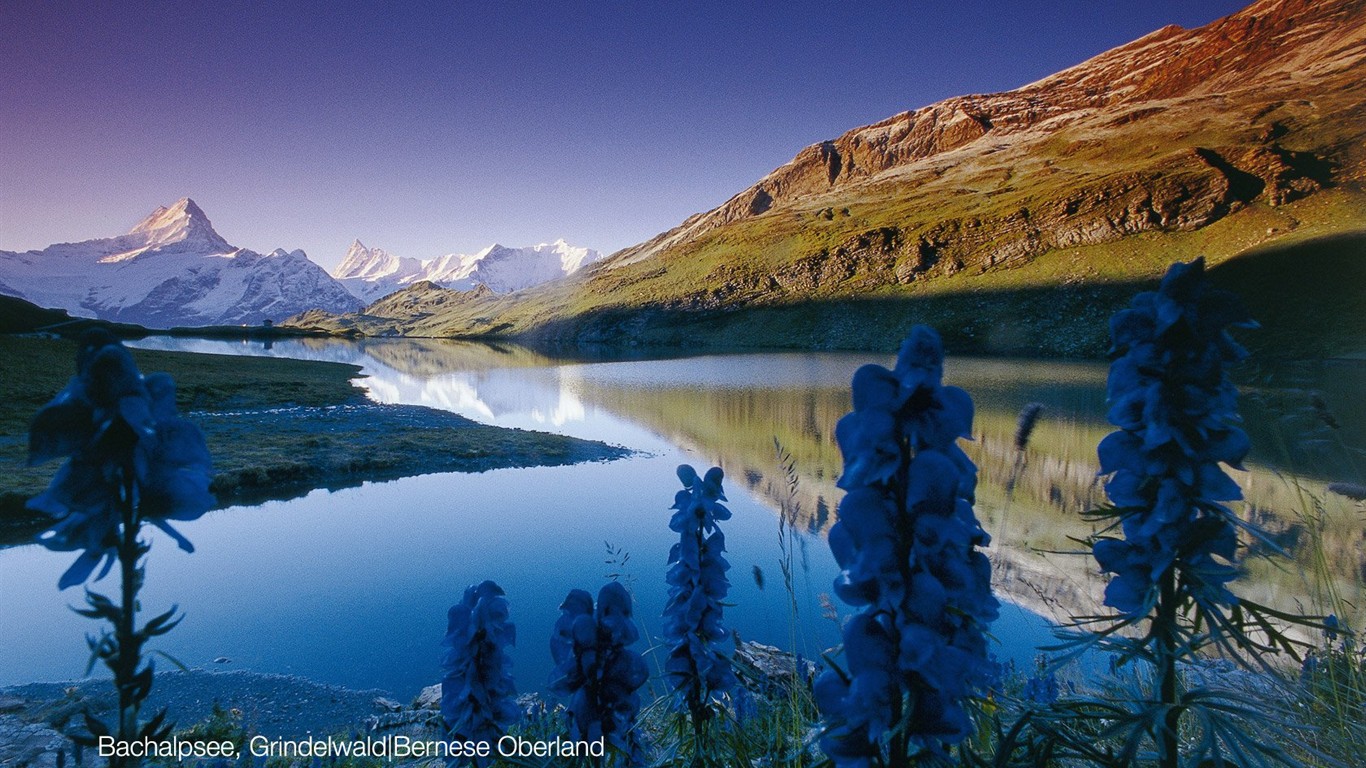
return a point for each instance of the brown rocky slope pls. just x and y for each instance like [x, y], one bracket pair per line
[1272, 47]
[1061, 195]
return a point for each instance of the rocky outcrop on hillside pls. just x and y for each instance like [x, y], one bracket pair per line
[400, 313]
[1184, 191]
[1266, 53]
[423, 297]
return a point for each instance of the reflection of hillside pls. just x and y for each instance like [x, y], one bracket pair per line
[1043, 515]
[1307, 424]
[421, 358]
[432, 357]
[736, 429]
[1056, 482]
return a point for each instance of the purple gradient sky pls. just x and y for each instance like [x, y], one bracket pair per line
[427, 130]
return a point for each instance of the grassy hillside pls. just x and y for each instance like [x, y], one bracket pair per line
[1300, 266]
[19, 316]
[1015, 222]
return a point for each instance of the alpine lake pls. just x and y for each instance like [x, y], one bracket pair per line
[351, 587]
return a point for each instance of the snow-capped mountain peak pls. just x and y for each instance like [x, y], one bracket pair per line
[373, 264]
[370, 273]
[572, 258]
[358, 262]
[172, 269]
[183, 222]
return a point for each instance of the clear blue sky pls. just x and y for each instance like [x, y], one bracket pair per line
[445, 127]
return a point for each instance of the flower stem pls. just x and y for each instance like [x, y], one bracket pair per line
[900, 740]
[125, 662]
[1164, 633]
[900, 745]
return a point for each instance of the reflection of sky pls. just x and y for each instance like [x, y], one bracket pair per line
[733, 371]
[352, 587]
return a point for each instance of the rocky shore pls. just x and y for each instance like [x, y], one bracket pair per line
[35, 717]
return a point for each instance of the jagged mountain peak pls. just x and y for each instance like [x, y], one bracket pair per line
[357, 249]
[498, 250]
[371, 273]
[365, 263]
[359, 261]
[183, 221]
[170, 270]
[184, 208]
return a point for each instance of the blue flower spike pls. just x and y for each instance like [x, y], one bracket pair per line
[1172, 546]
[698, 665]
[125, 445]
[130, 460]
[478, 696]
[597, 672]
[907, 545]
[1176, 410]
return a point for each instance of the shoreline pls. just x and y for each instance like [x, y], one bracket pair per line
[345, 446]
[202, 704]
[35, 716]
[276, 428]
[282, 704]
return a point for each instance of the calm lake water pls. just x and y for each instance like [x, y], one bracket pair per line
[352, 587]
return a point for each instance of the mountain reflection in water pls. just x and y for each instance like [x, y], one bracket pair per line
[731, 408]
[717, 409]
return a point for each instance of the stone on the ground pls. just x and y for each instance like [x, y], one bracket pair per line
[428, 698]
[762, 668]
[33, 745]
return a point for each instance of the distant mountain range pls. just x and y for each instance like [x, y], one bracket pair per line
[173, 269]
[372, 273]
[1016, 221]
